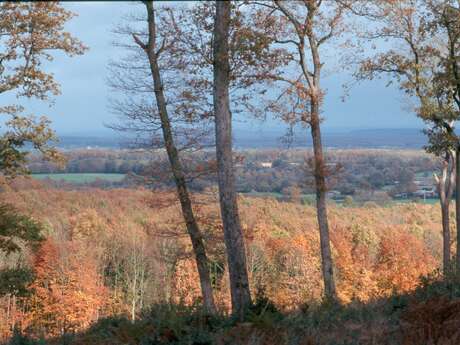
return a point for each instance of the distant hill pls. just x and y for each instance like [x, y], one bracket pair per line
[82, 141]
[377, 138]
[358, 138]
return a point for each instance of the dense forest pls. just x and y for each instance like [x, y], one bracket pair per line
[115, 252]
[197, 242]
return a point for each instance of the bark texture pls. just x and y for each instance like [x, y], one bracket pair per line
[321, 190]
[233, 235]
[457, 206]
[446, 183]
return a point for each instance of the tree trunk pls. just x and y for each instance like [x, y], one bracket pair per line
[445, 188]
[457, 205]
[321, 190]
[177, 170]
[445, 236]
[233, 235]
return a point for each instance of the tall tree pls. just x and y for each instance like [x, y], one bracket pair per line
[306, 26]
[415, 61]
[441, 145]
[153, 51]
[29, 33]
[233, 235]
[251, 66]
[446, 23]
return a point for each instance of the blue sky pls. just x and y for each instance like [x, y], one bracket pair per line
[83, 106]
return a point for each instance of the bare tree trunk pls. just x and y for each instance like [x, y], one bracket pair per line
[445, 236]
[450, 25]
[321, 190]
[445, 187]
[445, 202]
[457, 205]
[233, 235]
[176, 167]
[134, 296]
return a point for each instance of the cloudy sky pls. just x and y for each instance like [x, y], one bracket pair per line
[83, 106]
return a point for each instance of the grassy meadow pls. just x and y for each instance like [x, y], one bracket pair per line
[80, 177]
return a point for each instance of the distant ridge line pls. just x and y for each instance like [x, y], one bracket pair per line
[402, 138]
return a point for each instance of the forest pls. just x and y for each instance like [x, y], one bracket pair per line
[194, 241]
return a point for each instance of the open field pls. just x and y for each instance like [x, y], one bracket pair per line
[80, 178]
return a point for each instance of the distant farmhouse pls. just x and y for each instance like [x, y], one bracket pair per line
[266, 164]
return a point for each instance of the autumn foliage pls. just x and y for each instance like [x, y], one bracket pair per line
[68, 294]
[112, 252]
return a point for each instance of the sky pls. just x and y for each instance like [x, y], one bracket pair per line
[82, 108]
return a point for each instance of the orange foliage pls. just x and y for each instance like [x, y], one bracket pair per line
[402, 259]
[186, 289]
[129, 251]
[356, 277]
[67, 291]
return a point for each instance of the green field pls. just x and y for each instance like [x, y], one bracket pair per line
[80, 178]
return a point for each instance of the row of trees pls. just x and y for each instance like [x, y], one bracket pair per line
[288, 38]
[243, 57]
